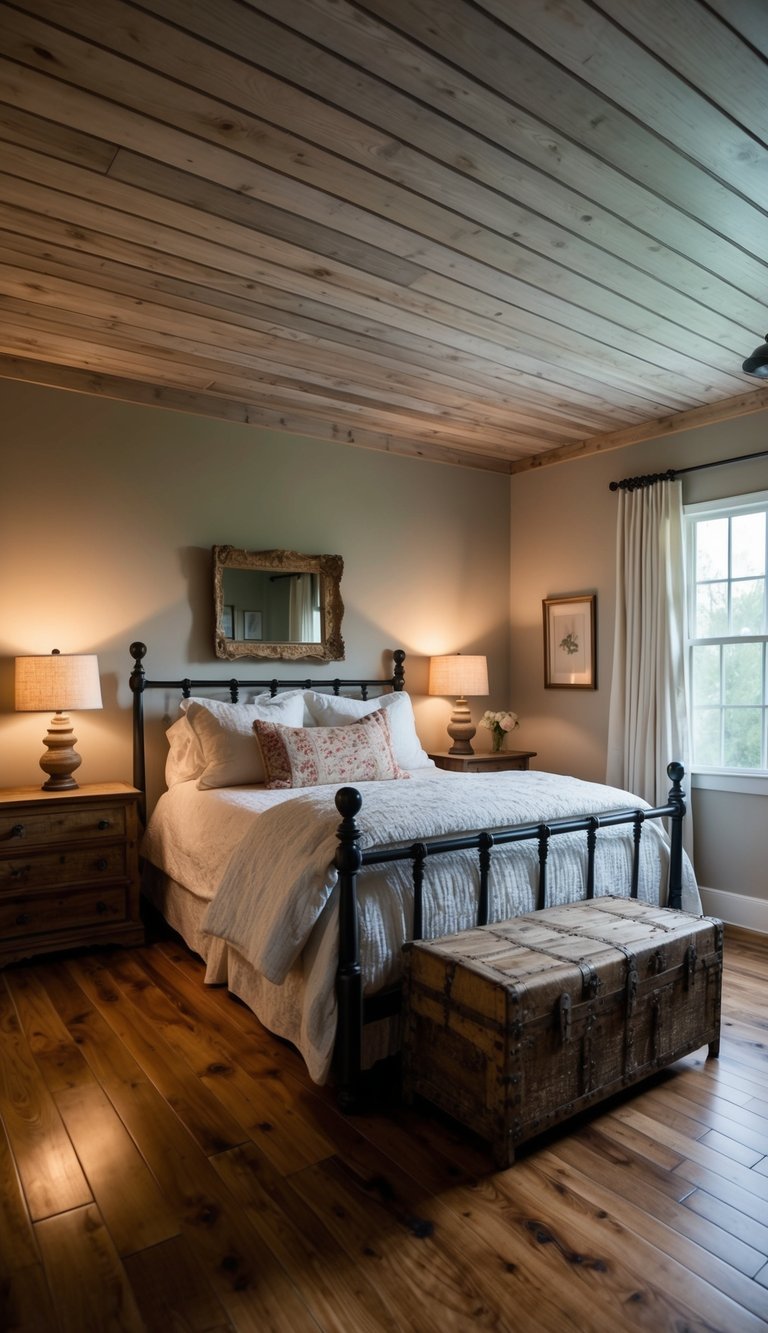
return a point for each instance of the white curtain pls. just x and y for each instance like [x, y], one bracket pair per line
[648, 717]
[303, 613]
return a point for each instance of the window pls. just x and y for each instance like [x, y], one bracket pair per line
[728, 632]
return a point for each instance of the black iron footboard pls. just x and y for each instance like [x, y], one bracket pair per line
[353, 1010]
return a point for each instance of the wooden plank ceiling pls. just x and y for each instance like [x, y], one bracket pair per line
[492, 232]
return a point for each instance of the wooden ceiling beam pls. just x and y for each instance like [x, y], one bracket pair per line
[710, 415]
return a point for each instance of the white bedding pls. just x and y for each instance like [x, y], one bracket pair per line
[269, 881]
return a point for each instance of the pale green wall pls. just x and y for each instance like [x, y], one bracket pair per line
[563, 532]
[108, 513]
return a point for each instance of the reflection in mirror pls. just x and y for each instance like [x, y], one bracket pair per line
[277, 604]
[281, 608]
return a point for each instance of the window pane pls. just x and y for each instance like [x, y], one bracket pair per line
[711, 610]
[747, 545]
[742, 737]
[747, 603]
[743, 673]
[706, 737]
[712, 549]
[706, 674]
[728, 606]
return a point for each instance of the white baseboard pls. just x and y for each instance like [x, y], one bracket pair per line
[736, 909]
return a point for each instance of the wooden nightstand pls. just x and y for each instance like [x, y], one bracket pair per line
[503, 762]
[69, 869]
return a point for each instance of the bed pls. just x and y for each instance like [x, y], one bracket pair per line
[304, 835]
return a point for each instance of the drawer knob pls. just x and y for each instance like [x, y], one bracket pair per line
[22, 919]
[102, 863]
[101, 907]
[20, 872]
[104, 823]
[16, 832]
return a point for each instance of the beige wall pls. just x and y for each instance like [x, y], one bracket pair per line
[108, 513]
[563, 528]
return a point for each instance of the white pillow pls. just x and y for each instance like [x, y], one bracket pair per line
[185, 756]
[314, 756]
[332, 710]
[224, 731]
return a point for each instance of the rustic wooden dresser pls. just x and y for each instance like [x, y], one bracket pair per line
[69, 869]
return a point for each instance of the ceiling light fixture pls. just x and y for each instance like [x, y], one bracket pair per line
[757, 363]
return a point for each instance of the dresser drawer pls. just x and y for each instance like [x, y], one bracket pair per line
[47, 913]
[498, 764]
[36, 828]
[78, 866]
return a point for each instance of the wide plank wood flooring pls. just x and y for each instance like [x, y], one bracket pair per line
[166, 1165]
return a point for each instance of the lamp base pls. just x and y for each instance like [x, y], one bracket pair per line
[60, 783]
[460, 728]
[461, 746]
[62, 759]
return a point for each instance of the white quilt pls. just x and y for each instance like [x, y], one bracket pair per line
[275, 903]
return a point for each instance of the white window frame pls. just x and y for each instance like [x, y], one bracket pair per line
[749, 781]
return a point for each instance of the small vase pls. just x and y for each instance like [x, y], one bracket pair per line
[497, 739]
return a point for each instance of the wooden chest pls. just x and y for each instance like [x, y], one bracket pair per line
[513, 1027]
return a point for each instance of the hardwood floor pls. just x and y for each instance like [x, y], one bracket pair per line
[166, 1165]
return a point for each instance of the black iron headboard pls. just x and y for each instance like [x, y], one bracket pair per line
[185, 685]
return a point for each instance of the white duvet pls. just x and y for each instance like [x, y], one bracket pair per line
[270, 880]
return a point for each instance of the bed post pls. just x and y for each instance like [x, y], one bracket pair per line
[349, 980]
[138, 651]
[676, 798]
[398, 677]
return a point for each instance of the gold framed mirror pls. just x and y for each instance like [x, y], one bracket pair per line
[277, 604]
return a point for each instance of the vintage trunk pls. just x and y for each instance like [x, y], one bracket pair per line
[514, 1027]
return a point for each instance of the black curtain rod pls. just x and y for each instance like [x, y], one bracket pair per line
[650, 479]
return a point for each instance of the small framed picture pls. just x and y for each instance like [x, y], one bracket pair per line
[570, 642]
[228, 622]
[252, 624]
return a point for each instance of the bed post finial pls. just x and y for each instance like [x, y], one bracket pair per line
[138, 651]
[676, 798]
[349, 976]
[399, 671]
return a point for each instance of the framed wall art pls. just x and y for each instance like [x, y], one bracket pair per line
[570, 642]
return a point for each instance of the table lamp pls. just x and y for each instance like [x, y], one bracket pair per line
[54, 684]
[459, 675]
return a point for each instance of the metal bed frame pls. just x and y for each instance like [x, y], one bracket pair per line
[354, 1008]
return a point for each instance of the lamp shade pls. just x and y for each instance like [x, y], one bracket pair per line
[57, 683]
[457, 674]
[757, 363]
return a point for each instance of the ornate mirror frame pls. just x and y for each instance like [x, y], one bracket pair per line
[329, 569]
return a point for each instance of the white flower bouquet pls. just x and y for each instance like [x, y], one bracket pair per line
[499, 723]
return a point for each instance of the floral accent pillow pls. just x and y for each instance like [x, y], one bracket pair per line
[334, 710]
[312, 756]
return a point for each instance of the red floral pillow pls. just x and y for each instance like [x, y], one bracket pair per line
[312, 756]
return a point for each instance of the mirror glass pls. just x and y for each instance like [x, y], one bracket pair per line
[277, 604]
